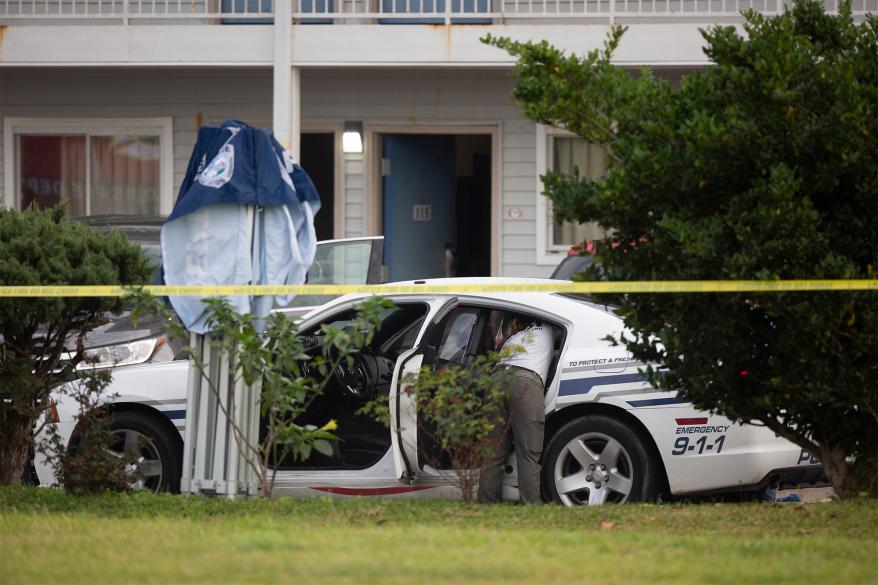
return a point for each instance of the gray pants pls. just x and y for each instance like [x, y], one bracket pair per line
[523, 410]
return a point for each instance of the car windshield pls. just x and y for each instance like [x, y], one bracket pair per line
[152, 248]
[571, 266]
[341, 262]
[154, 253]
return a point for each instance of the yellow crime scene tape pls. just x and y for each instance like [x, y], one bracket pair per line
[667, 286]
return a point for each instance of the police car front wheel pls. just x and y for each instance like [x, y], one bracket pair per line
[597, 460]
[154, 456]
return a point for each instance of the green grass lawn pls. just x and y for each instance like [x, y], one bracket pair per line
[50, 536]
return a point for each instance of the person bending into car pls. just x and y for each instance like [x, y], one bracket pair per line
[521, 416]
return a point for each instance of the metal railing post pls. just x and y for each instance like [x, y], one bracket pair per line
[193, 397]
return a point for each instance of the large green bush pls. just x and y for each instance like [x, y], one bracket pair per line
[42, 247]
[764, 166]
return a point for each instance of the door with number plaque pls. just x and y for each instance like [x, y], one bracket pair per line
[419, 204]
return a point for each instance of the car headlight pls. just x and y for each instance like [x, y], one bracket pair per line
[127, 354]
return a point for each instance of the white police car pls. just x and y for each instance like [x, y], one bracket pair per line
[610, 436]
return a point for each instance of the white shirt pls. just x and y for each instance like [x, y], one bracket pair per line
[537, 344]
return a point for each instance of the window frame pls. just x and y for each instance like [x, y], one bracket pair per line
[547, 253]
[163, 127]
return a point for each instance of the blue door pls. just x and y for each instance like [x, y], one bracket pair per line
[419, 204]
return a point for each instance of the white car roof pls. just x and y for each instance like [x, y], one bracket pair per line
[469, 281]
[583, 314]
[546, 301]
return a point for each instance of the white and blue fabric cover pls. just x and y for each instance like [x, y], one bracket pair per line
[244, 215]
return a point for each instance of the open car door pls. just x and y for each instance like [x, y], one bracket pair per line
[346, 261]
[403, 411]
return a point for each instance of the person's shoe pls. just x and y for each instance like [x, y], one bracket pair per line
[790, 498]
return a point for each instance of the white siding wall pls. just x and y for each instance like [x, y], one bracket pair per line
[377, 97]
[3, 114]
[437, 98]
[354, 195]
[187, 96]
[519, 236]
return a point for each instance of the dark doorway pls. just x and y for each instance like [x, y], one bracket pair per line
[473, 171]
[318, 160]
[437, 205]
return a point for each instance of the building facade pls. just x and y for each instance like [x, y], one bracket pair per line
[100, 102]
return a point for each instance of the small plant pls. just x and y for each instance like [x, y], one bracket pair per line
[275, 357]
[458, 425]
[92, 462]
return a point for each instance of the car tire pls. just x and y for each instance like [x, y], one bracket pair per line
[598, 459]
[159, 465]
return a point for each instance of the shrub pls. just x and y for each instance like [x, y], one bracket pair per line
[41, 339]
[762, 166]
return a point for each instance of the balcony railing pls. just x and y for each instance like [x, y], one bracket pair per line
[127, 11]
[387, 11]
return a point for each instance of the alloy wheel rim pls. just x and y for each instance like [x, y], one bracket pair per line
[144, 462]
[593, 469]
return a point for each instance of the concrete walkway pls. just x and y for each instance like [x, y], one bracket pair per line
[810, 495]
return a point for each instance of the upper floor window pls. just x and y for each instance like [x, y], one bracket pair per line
[561, 151]
[100, 167]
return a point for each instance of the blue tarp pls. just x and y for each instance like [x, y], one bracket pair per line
[244, 215]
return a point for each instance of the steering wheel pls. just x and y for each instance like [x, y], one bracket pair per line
[352, 379]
